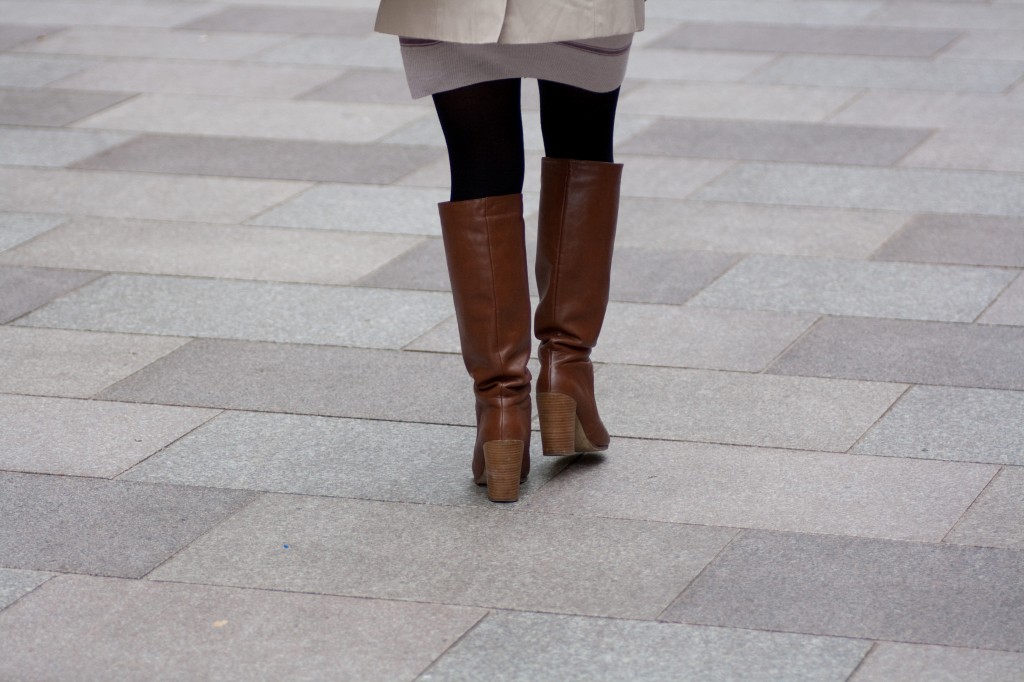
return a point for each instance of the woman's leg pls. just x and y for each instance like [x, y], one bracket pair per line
[577, 124]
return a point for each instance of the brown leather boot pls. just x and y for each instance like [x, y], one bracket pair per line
[486, 253]
[579, 205]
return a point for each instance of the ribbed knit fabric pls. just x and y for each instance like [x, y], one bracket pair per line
[432, 66]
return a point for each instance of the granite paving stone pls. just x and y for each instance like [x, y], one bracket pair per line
[16, 228]
[25, 289]
[25, 71]
[333, 457]
[52, 108]
[997, 518]
[855, 587]
[421, 267]
[1009, 307]
[844, 40]
[287, 20]
[252, 117]
[965, 239]
[450, 555]
[666, 177]
[739, 228]
[954, 15]
[893, 189]
[965, 424]
[992, 44]
[933, 110]
[922, 663]
[365, 85]
[73, 364]
[979, 149]
[273, 377]
[205, 250]
[645, 275]
[13, 36]
[140, 195]
[15, 583]
[87, 437]
[114, 528]
[739, 408]
[959, 75]
[259, 311]
[693, 65]
[773, 141]
[225, 633]
[54, 147]
[375, 51]
[740, 487]
[271, 159]
[579, 648]
[829, 12]
[979, 356]
[860, 288]
[157, 13]
[153, 42]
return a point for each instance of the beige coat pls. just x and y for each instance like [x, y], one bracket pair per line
[509, 21]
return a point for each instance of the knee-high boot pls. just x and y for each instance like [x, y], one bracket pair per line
[579, 206]
[486, 254]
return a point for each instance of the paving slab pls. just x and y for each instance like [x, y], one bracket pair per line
[843, 40]
[451, 555]
[739, 408]
[992, 44]
[979, 356]
[113, 528]
[980, 149]
[206, 250]
[855, 587]
[645, 275]
[13, 36]
[996, 519]
[28, 71]
[741, 228]
[374, 51]
[964, 239]
[332, 457]
[159, 43]
[857, 288]
[54, 147]
[221, 632]
[52, 108]
[74, 364]
[258, 311]
[366, 208]
[330, 381]
[163, 14]
[25, 289]
[16, 228]
[954, 15]
[16, 583]
[740, 487]
[140, 195]
[933, 110]
[921, 663]
[893, 189]
[272, 159]
[87, 437]
[965, 424]
[830, 12]
[774, 141]
[694, 65]
[577, 648]
[669, 178]
[344, 22]
[365, 85]
[422, 267]
[1009, 307]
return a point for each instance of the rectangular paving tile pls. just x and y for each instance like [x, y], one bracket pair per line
[16, 583]
[953, 15]
[16, 228]
[740, 228]
[365, 85]
[772, 141]
[893, 189]
[288, 20]
[334, 457]
[965, 424]
[198, 631]
[115, 528]
[451, 555]
[54, 148]
[667, 178]
[13, 36]
[87, 437]
[140, 195]
[644, 275]
[739, 408]
[29, 71]
[205, 250]
[52, 108]
[281, 159]
[158, 43]
[674, 65]
[993, 44]
[591, 648]
[422, 267]
[902, 74]
[922, 663]
[273, 377]
[25, 289]
[375, 51]
[844, 40]
[971, 355]
[826, 12]
[997, 518]
[854, 587]
[73, 363]
[102, 13]
[934, 110]
[252, 117]
[966, 239]
[980, 149]
[809, 492]
[1009, 307]
[861, 288]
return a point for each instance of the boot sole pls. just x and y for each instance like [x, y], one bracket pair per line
[504, 461]
[561, 432]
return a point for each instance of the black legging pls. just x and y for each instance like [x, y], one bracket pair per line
[483, 129]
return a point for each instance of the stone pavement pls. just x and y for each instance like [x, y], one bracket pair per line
[235, 429]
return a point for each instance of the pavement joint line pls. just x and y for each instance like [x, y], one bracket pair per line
[977, 319]
[164, 447]
[455, 643]
[697, 577]
[981, 494]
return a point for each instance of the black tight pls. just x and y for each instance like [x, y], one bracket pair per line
[483, 129]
